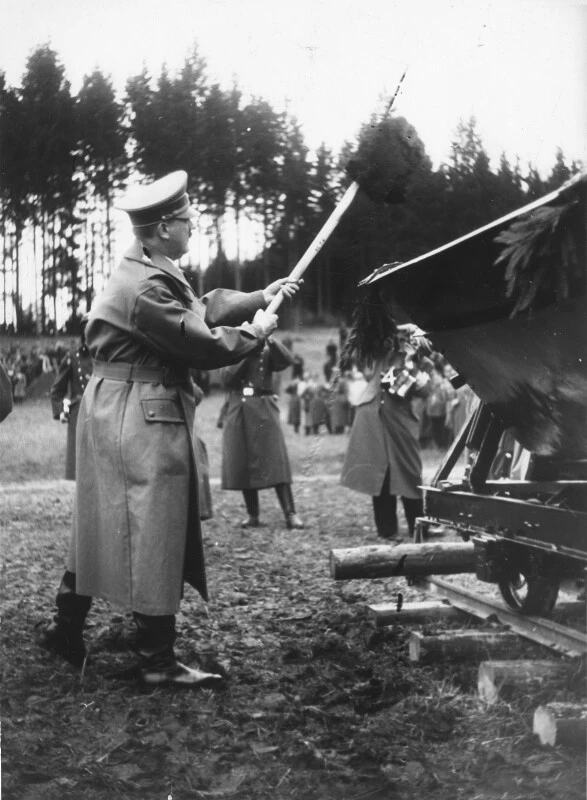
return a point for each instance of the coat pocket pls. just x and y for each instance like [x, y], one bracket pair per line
[162, 410]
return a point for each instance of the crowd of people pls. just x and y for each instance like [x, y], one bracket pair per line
[315, 403]
[24, 365]
[329, 402]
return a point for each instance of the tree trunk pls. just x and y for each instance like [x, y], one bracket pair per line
[414, 613]
[44, 275]
[4, 273]
[54, 262]
[237, 266]
[92, 266]
[501, 679]
[561, 724]
[36, 278]
[319, 289]
[73, 272]
[108, 223]
[327, 283]
[87, 235]
[462, 644]
[19, 307]
[265, 254]
[102, 252]
[384, 561]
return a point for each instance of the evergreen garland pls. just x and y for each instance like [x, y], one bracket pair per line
[544, 253]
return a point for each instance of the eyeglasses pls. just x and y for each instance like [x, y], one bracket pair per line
[173, 219]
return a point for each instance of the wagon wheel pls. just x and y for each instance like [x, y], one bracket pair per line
[528, 592]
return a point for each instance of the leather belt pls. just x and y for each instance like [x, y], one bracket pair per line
[249, 391]
[133, 373]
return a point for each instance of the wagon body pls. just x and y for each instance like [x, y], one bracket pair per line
[529, 369]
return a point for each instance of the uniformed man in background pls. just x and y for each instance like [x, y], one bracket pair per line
[5, 393]
[66, 393]
[136, 530]
[254, 454]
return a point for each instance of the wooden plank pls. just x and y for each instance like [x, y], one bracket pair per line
[413, 613]
[561, 724]
[462, 644]
[501, 679]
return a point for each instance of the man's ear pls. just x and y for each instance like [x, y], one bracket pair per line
[163, 229]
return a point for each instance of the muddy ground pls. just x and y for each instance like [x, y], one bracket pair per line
[317, 704]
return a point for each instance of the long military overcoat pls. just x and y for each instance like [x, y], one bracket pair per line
[383, 443]
[254, 455]
[136, 529]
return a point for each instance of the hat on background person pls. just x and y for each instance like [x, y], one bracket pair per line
[161, 200]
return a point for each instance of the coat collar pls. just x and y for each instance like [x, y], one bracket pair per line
[137, 253]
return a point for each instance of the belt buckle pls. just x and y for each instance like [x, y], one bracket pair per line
[248, 391]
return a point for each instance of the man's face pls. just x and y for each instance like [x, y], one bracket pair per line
[180, 230]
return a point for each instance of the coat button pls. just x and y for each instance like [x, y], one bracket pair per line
[151, 413]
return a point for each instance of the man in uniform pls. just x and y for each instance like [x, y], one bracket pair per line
[5, 393]
[72, 378]
[254, 454]
[136, 530]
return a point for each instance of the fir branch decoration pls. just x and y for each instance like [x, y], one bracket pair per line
[544, 255]
[374, 332]
[388, 154]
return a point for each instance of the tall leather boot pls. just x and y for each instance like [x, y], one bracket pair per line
[159, 666]
[286, 501]
[385, 514]
[252, 503]
[64, 635]
[413, 508]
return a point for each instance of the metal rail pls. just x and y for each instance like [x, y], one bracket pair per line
[543, 631]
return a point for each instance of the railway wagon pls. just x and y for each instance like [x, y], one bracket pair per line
[506, 306]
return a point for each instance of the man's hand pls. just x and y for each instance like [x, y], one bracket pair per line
[268, 322]
[287, 286]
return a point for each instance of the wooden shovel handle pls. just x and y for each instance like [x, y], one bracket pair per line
[316, 245]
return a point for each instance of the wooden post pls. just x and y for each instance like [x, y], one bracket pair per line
[462, 644]
[498, 679]
[385, 561]
[561, 724]
[415, 613]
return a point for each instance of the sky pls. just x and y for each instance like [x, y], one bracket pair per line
[520, 68]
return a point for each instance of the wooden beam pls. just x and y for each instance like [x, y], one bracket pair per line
[462, 644]
[561, 724]
[385, 561]
[413, 613]
[499, 679]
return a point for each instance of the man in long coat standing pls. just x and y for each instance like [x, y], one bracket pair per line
[136, 530]
[254, 455]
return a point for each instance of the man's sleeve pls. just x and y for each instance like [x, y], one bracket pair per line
[165, 325]
[227, 307]
[59, 387]
[280, 357]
